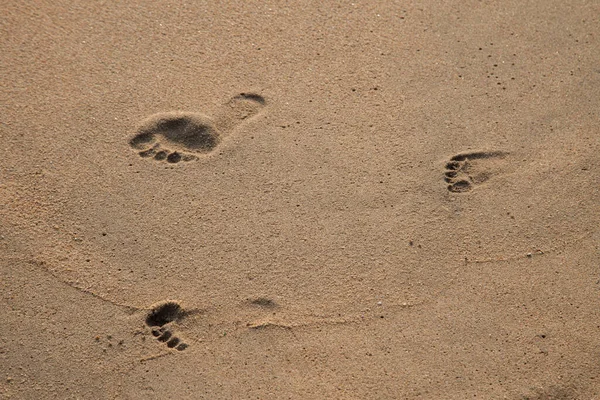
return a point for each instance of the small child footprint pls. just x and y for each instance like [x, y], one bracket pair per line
[180, 136]
[465, 171]
[160, 320]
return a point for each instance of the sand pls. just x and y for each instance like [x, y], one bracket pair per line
[307, 200]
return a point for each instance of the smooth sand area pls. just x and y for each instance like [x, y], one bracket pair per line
[300, 200]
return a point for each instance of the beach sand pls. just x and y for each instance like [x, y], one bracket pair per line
[273, 200]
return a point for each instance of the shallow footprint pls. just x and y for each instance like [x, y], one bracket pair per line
[182, 136]
[160, 319]
[238, 109]
[466, 170]
[552, 393]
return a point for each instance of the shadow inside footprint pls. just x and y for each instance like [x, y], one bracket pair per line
[263, 302]
[175, 136]
[466, 170]
[189, 132]
[251, 96]
[164, 313]
[159, 318]
[181, 136]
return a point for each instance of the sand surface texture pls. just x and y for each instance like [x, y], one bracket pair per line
[300, 200]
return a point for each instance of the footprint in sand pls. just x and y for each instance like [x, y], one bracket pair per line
[552, 393]
[466, 170]
[182, 136]
[161, 319]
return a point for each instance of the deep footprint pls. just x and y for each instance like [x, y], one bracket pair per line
[159, 320]
[175, 137]
[183, 136]
[463, 172]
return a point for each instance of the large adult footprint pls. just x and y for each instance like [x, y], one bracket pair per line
[182, 136]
